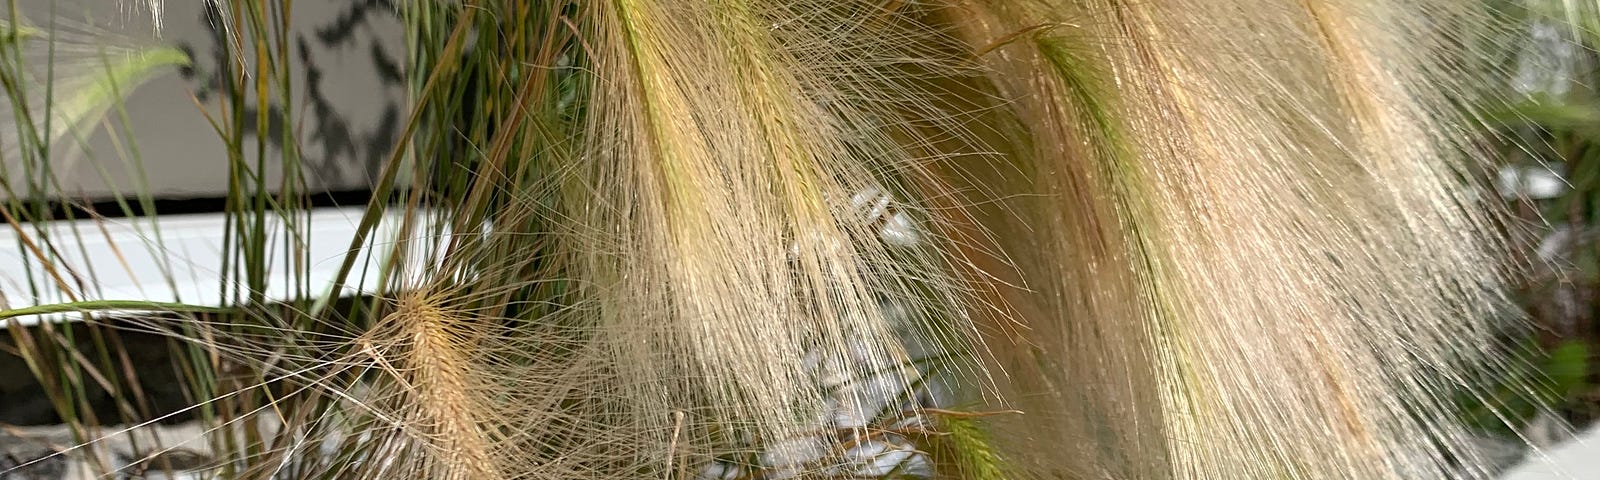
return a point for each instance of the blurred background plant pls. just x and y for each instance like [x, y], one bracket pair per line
[1548, 124]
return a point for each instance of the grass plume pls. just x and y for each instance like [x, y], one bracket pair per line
[719, 163]
[438, 372]
[1281, 253]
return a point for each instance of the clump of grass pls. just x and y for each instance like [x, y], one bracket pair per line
[648, 238]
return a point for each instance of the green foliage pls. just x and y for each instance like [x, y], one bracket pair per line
[972, 450]
[1555, 378]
